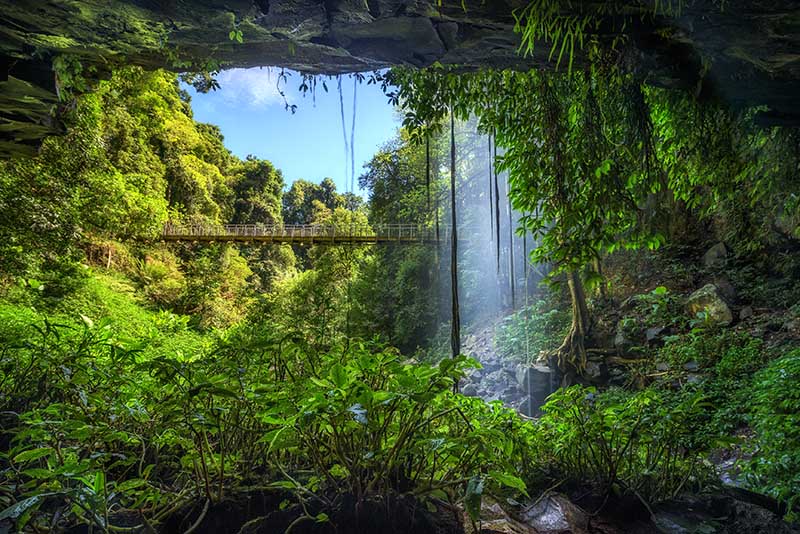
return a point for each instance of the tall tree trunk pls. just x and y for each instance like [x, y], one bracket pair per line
[511, 247]
[496, 204]
[571, 355]
[598, 268]
[428, 171]
[455, 331]
[525, 260]
[491, 195]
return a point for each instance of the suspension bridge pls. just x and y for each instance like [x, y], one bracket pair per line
[347, 234]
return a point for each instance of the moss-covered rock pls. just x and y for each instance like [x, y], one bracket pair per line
[709, 301]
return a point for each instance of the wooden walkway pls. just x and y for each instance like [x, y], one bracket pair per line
[305, 233]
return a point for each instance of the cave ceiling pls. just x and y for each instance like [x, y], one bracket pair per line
[744, 53]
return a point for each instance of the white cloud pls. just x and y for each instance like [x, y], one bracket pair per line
[254, 87]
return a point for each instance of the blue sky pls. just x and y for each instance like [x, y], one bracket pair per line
[309, 144]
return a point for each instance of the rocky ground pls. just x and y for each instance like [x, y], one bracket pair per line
[629, 330]
[500, 378]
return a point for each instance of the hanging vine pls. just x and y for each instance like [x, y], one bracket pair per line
[344, 127]
[353, 138]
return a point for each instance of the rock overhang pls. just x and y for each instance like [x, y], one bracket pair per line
[746, 53]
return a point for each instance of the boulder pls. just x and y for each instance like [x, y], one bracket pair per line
[470, 390]
[792, 326]
[716, 255]
[691, 366]
[621, 342]
[745, 313]
[709, 300]
[652, 334]
[521, 374]
[725, 288]
[593, 371]
[555, 514]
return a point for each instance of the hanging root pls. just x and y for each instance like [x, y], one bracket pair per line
[571, 355]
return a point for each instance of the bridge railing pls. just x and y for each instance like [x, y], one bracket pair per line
[305, 232]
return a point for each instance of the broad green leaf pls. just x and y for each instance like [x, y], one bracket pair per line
[33, 454]
[473, 497]
[510, 481]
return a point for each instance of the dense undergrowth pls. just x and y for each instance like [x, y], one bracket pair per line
[99, 428]
[131, 418]
[143, 385]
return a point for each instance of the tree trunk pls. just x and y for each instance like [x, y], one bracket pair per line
[598, 268]
[455, 332]
[428, 172]
[511, 279]
[491, 194]
[571, 355]
[496, 205]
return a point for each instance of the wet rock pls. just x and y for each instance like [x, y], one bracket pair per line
[525, 406]
[725, 289]
[745, 313]
[792, 326]
[555, 514]
[470, 390]
[521, 374]
[594, 371]
[716, 255]
[691, 366]
[717, 513]
[543, 381]
[654, 333]
[621, 342]
[495, 520]
[510, 394]
[708, 299]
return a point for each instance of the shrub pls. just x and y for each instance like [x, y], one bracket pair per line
[637, 442]
[728, 361]
[775, 467]
[545, 330]
[99, 432]
[368, 427]
[161, 279]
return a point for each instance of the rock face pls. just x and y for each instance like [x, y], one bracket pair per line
[747, 53]
[708, 299]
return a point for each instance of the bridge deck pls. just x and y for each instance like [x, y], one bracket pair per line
[305, 233]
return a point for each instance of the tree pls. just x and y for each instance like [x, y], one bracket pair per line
[579, 186]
